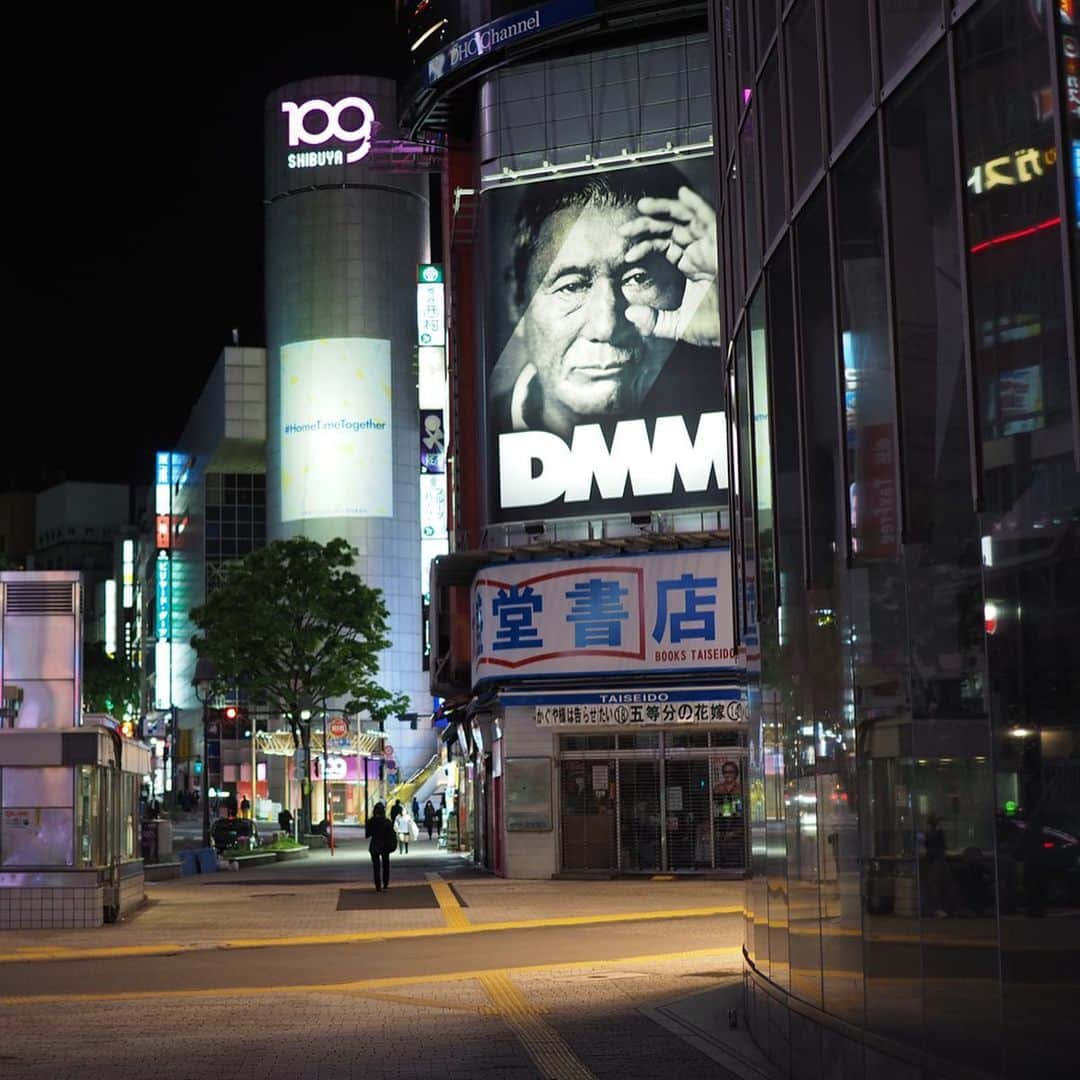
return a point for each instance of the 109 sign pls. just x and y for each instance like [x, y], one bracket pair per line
[333, 128]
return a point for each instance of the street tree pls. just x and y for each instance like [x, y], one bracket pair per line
[295, 626]
[110, 684]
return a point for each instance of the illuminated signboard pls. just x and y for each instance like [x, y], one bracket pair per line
[163, 597]
[430, 306]
[508, 30]
[432, 377]
[603, 363]
[655, 614]
[349, 120]
[110, 617]
[336, 443]
[432, 441]
[628, 708]
[128, 572]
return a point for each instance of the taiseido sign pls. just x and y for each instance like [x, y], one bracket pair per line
[313, 123]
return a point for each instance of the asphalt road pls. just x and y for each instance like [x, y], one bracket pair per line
[257, 969]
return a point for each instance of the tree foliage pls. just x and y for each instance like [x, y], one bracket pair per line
[109, 684]
[293, 625]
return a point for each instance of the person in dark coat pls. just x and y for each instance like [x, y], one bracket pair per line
[429, 817]
[381, 841]
[415, 808]
[395, 810]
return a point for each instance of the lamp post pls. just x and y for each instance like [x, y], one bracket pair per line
[205, 684]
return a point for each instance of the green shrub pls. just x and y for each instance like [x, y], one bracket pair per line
[283, 843]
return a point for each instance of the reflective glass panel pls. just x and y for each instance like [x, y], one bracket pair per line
[804, 105]
[903, 25]
[772, 150]
[848, 36]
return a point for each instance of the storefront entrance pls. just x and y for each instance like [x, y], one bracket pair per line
[653, 802]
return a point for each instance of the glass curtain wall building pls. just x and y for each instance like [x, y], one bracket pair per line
[898, 232]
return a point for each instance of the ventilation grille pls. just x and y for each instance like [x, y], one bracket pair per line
[39, 598]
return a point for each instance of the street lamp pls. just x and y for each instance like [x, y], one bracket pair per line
[205, 684]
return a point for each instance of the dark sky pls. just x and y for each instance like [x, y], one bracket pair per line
[132, 234]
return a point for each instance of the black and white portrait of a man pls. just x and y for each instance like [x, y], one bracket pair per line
[609, 305]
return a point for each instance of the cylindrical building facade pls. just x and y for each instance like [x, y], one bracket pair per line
[343, 240]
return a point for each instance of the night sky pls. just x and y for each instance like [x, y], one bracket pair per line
[133, 215]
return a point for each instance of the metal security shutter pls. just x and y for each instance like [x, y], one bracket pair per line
[639, 814]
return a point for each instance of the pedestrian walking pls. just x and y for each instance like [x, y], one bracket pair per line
[381, 841]
[395, 810]
[245, 807]
[406, 830]
[429, 818]
[415, 808]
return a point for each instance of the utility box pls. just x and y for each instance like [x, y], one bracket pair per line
[69, 791]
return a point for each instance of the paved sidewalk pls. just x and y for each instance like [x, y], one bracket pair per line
[302, 899]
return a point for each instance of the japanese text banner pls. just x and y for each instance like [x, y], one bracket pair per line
[642, 614]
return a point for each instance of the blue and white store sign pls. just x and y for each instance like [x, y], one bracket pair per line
[654, 614]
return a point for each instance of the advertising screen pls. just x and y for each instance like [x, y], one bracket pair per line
[336, 444]
[604, 384]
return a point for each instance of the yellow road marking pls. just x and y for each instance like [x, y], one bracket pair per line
[452, 911]
[387, 982]
[45, 953]
[548, 1049]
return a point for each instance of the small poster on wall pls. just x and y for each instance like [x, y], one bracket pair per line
[528, 794]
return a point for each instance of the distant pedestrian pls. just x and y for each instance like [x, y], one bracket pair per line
[245, 807]
[396, 809]
[429, 818]
[415, 808]
[285, 821]
[381, 841]
[438, 820]
[406, 830]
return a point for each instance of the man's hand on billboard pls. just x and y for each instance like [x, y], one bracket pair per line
[683, 230]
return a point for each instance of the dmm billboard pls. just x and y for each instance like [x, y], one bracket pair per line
[604, 388]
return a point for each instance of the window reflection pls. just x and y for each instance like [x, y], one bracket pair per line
[824, 738]
[950, 781]
[1030, 524]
